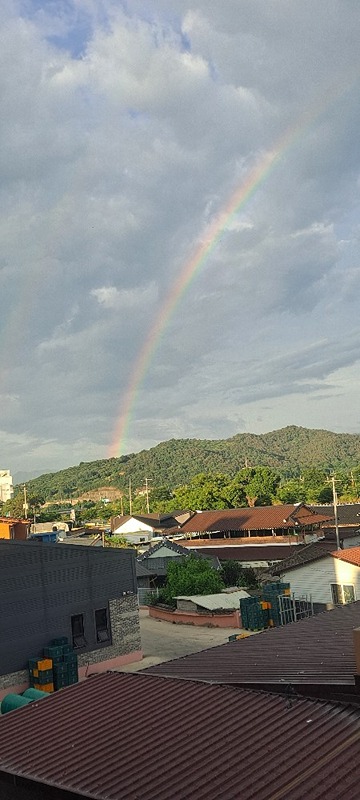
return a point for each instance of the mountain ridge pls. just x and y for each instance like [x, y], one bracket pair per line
[175, 461]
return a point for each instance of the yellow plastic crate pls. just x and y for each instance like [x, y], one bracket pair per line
[45, 663]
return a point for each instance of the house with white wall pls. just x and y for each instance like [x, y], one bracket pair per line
[328, 577]
[6, 485]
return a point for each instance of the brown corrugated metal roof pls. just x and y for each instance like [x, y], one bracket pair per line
[248, 553]
[243, 541]
[316, 652]
[258, 518]
[199, 742]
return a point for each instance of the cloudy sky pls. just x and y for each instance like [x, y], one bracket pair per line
[126, 130]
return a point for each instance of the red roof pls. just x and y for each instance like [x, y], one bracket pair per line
[125, 737]
[316, 655]
[351, 556]
[258, 518]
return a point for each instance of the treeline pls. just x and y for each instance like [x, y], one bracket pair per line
[174, 463]
[250, 486]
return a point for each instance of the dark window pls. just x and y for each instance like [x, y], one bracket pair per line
[77, 629]
[342, 593]
[336, 593]
[349, 594]
[102, 625]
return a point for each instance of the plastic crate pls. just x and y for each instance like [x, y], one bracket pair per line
[45, 663]
[53, 651]
[59, 642]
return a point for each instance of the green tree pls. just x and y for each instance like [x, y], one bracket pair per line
[291, 491]
[192, 576]
[256, 485]
[233, 574]
[203, 493]
[117, 541]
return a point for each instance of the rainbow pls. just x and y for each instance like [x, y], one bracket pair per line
[213, 234]
[192, 267]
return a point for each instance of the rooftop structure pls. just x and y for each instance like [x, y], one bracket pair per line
[277, 520]
[203, 742]
[315, 656]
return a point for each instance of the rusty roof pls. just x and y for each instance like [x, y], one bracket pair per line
[215, 743]
[248, 553]
[351, 556]
[316, 655]
[258, 518]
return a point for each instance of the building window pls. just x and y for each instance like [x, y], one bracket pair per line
[342, 594]
[77, 630]
[102, 625]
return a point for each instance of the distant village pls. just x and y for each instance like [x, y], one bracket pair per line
[272, 711]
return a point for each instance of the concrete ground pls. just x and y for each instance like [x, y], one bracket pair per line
[162, 641]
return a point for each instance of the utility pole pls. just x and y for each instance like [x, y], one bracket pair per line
[335, 501]
[130, 498]
[121, 506]
[25, 506]
[147, 494]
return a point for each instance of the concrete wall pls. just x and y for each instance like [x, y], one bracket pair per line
[43, 585]
[232, 620]
[124, 648]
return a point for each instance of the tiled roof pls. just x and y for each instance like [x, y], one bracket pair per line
[305, 555]
[173, 546]
[258, 518]
[156, 521]
[309, 654]
[159, 566]
[351, 556]
[347, 513]
[102, 741]
[142, 571]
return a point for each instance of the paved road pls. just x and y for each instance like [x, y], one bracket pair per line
[162, 641]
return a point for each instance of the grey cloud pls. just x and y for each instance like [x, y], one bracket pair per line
[117, 152]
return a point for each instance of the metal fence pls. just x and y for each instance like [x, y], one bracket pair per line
[145, 594]
[292, 608]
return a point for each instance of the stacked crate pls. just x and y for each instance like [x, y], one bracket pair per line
[58, 668]
[271, 593]
[253, 616]
[41, 674]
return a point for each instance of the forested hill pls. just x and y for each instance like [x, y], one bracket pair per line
[175, 462]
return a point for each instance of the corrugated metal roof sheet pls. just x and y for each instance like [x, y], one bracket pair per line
[258, 518]
[200, 743]
[317, 652]
[248, 553]
[213, 602]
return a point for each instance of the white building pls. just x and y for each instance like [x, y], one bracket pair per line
[331, 579]
[6, 485]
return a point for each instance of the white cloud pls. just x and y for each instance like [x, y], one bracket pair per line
[123, 135]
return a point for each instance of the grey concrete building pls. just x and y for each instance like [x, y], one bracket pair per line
[53, 590]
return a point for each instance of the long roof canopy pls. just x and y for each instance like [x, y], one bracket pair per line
[259, 518]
